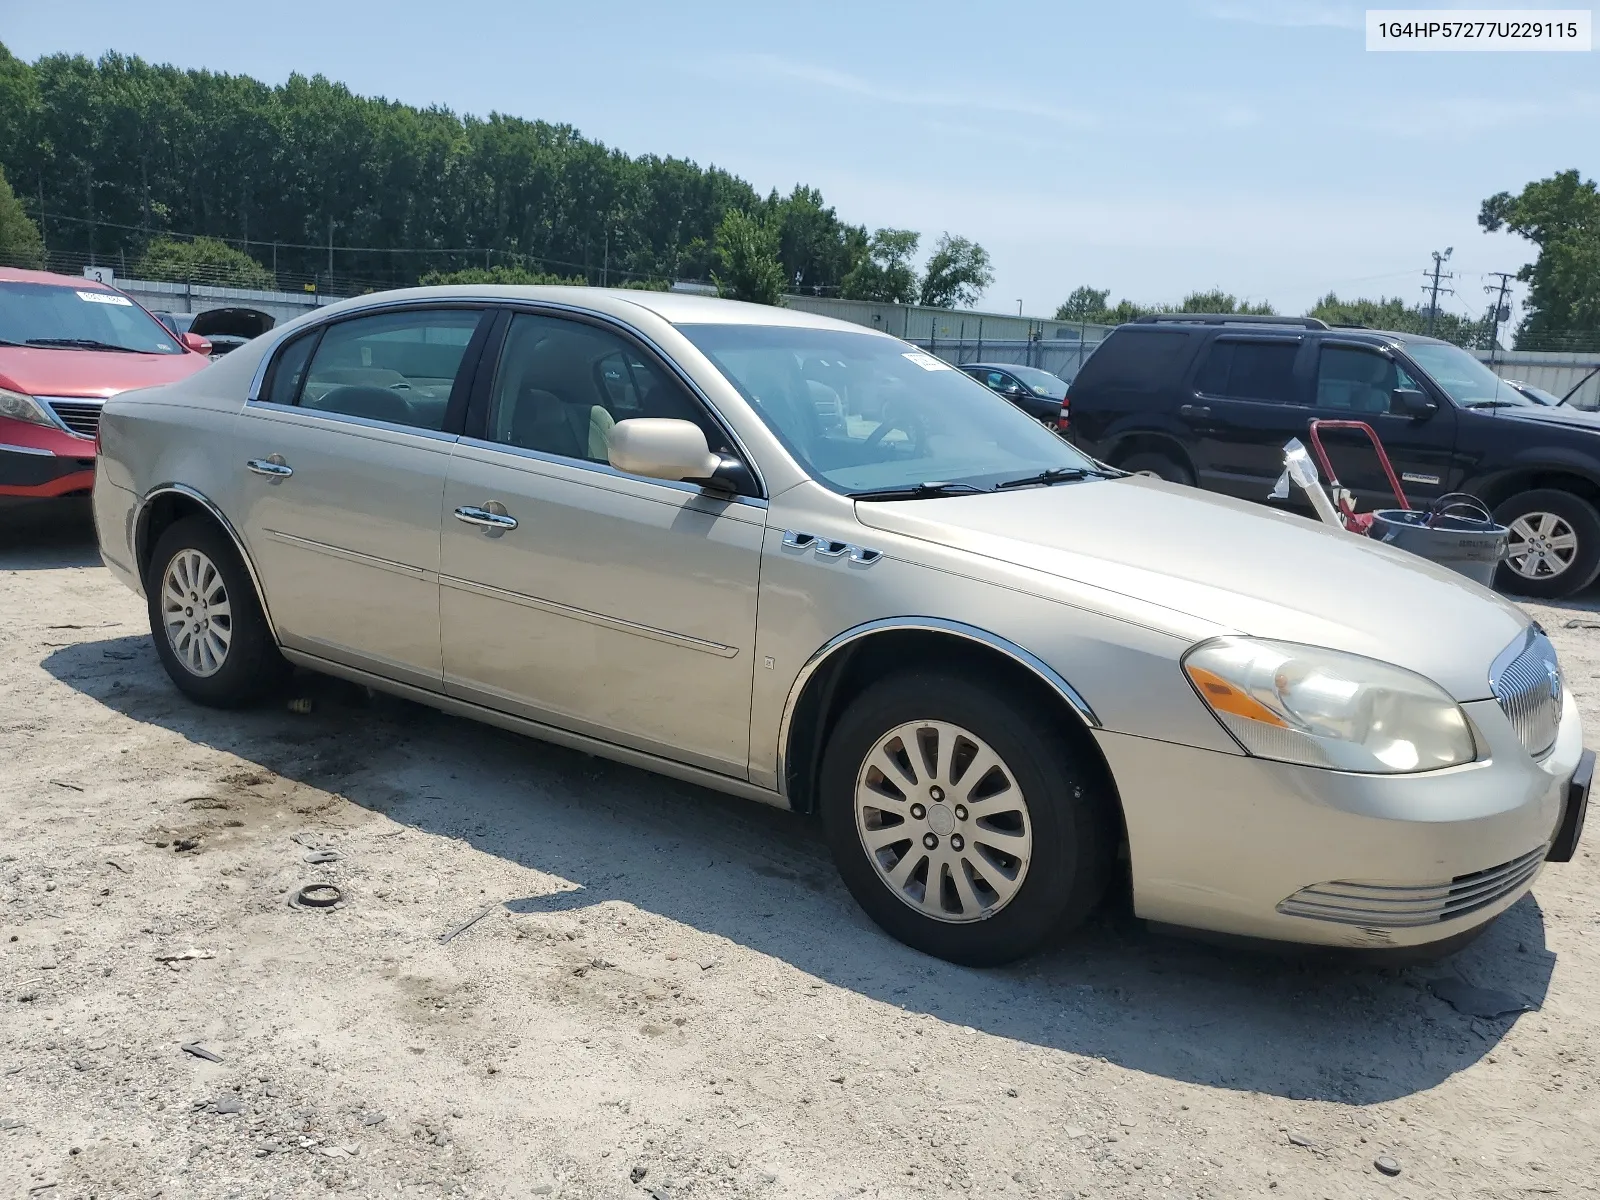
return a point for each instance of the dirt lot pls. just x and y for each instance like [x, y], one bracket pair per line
[670, 994]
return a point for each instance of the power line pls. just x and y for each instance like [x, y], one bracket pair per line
[1501, 312]
[1433, 292]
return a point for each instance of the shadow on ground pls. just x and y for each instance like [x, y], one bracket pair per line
[42, 535]
[761, 878]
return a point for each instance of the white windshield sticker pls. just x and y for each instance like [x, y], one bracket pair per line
[105, 298]
[927, 361]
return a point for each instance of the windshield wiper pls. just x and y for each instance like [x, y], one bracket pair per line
[85, 344]
[1046, 477]
[917, 491]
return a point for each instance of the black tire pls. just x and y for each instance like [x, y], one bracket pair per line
[1158, 464]
[1579, 516]
[1074, 825]
[251, 665]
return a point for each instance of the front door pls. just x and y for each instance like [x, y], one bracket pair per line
[606, 604]
[346, 454]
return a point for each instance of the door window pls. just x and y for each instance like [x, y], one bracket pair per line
[397, 367]
[1250, 370]
[1356, 381]
[561, 385]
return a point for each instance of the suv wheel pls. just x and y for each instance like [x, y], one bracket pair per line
[963, 823]
[205, 618]
[1159, 465]
[1554, 545]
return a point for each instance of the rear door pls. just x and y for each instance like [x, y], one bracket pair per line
[1247, 397]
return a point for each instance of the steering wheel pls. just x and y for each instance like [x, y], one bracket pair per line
[905, 420]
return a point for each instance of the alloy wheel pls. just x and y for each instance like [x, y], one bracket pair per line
[1541, 545]
[196, 612]
[944, 821]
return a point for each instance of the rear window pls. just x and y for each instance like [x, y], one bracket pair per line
[1136, 360]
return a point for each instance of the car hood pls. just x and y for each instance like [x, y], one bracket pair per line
[90, 374]
[1547, 414]
[1241, 567]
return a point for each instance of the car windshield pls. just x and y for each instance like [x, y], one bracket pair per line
[863, 412]
[1468, 382]
[1042, 382]
[62, 317]
[1539, 395]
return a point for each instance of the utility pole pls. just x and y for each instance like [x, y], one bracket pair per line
[330, 249]
[1500, 311]
[1433, 292]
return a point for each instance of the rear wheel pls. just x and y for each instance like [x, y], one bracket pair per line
[207, 623]
[1160, 465]
[1554, 545]
[964, 824]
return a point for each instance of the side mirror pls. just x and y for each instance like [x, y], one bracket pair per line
[666, 448]
[1408, 402]
[193, 341]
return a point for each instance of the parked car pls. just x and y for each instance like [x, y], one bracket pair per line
[65, 345]
[225, 328]
[615, 521]
[1537, 394]
[1036, 392]
[1211, 400]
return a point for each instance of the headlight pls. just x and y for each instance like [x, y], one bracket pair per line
[1325, 708]
[23, 408]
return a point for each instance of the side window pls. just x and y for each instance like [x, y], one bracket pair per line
[996, 380]
[561, 385]
[1355, 381]
[289, 372]
[397, 367]
[1249, 370]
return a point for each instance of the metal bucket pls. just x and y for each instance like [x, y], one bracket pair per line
[1467, 545]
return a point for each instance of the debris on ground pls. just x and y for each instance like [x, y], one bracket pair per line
[1485, 1003]
[199, 1051]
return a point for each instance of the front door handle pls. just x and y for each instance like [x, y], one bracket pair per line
[274, 467]
[483, 517]
[1194, 410]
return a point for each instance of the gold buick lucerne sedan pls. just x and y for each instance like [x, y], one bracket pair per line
[809, 564]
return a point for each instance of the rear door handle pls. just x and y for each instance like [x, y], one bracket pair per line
[1194, 410]
[266, 466]
[473, 515]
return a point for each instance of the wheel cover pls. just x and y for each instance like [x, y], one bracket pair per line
[196, 613]
[1541, 546]
[943, 821]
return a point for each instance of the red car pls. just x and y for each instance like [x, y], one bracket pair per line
[66, 345]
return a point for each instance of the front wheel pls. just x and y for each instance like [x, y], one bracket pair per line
[966, 825]
[1160, 465]
[1554, 547]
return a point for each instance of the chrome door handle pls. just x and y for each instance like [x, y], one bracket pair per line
[276, 470]
[473, 515]
[1194, 410]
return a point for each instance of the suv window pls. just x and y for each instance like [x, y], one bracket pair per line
[397, 367]
[1350, 379]
[1249, 369]
[1136, 359]
[561, 385]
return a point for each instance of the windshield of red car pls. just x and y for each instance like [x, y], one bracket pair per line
[62, 317]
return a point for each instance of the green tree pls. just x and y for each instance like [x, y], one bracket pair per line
[747, 260]
[502, 274]
[20, 243]
[1219, 301]
[1560, 215]
[1084, 304]
[202, 260]
[1394, 314]
[884, 273]
[957, 274]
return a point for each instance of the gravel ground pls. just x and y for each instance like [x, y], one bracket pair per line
[668, 993]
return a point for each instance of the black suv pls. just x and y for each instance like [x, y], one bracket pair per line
[1210, 400]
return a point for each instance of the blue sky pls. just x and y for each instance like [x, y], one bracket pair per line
[1150, 148]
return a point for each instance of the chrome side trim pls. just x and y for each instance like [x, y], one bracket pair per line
[139, 531]
[826, 548]
[928, 625]
[6, 448]
[432, 435]
[592, 618]
[546, 733]
[355, 556]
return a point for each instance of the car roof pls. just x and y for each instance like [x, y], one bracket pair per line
[18, 275]
[679, 308]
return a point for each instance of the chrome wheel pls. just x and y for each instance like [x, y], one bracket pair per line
[196, 613]
[944, 821]
[1542, 545]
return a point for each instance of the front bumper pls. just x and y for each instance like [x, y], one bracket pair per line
[37, 460]
[1243, 846]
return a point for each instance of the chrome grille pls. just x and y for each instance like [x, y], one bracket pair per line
[1526, 680]
[1396, 906]
[80, 416]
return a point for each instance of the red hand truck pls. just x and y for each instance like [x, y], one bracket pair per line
[1353, 521]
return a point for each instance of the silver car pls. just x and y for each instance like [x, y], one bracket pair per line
[994, 669]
